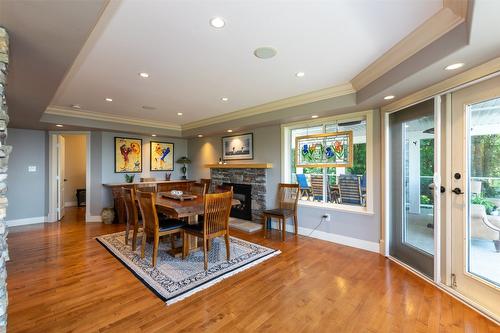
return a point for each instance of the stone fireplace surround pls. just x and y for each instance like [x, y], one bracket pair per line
[251, 176]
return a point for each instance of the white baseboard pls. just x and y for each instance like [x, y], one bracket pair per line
[52, 217]
[93, 218]
[70, 204]
[26, 221]
[334, 238]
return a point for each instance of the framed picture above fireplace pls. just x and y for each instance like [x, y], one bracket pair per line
[237, 147]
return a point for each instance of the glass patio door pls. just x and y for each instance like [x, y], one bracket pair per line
[411, 173]
[475, 215]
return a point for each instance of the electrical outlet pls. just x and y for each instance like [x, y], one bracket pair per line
[326, 217]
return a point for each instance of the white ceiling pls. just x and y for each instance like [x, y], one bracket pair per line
[193, 65]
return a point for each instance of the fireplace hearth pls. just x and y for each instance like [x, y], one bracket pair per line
[243, 193]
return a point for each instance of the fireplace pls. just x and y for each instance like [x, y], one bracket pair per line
[243, 193]
[253, 178]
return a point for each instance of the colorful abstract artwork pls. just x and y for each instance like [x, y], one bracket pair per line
[128, 155]
[324, 150]
[162, 156]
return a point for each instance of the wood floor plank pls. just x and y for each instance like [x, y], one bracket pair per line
[61, 280]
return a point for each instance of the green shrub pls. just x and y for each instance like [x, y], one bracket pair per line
[488, 205]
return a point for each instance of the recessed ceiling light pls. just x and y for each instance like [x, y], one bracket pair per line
[224, 99]
[265, 52]
[454, 66]
[147, 107]
[200, 135]
[300, 74]
[314, 116]
[144, 75]
[389, 97]
[179, 113]
[217, 22]
[76, 106]
[229, 131]
[153, 134]
[107, 99]
[59, 125]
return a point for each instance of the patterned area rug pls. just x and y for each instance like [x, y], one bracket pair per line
[174, 279]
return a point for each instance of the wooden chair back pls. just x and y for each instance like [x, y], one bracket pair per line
[147, 204]
[223, 188]
[207, 182]
[128, 195]
[317, 186]
[289, 196]
[217, 209]
[350, 190]
[146, 187]
[198, 189]
[178, 186]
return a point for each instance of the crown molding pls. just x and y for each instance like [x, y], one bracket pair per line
[453, 13]
[482, 71]
[99, 116]
[315, 96]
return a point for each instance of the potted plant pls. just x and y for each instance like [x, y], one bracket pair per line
[184, 160]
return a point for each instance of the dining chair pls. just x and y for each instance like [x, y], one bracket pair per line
[198, 189]
[350, 190]
[305, 189]
[145, 187]
[156, 226]
[128, 195]
[317, 187]
[288, 195]
[223, 188]
[207, 182]
[217, 207]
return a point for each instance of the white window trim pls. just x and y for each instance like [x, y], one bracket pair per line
[286, 151]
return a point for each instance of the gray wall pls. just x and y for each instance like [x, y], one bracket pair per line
[108, 164]
[28, 191]
[267, 148]
[96, 187]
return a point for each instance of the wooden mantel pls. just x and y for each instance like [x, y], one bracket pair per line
[240, 166]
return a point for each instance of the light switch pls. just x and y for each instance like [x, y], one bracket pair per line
[32, 168]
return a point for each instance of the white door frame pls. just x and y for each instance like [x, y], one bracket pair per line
[444, 88]
[52, 215]
[467, 282]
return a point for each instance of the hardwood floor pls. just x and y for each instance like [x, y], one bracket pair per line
[61, 279]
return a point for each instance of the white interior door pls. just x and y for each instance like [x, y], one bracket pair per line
[60, 176]
[475, 203]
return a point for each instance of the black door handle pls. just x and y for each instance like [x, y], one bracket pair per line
[442, 189]
[457, 190]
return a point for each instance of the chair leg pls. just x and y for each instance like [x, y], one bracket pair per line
[283, 230]
[209, 244]
[228, 254]
[134, 237]
[143, 247]
[172, 242]
[185, 246]
[155, 249]
[126, 233]
[296, 223]
[205, 254]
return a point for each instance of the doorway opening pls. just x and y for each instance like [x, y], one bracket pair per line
[69, 173]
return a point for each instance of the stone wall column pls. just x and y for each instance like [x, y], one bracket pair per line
[4, 157]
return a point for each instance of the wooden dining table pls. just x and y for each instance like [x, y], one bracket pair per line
[189, 209]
